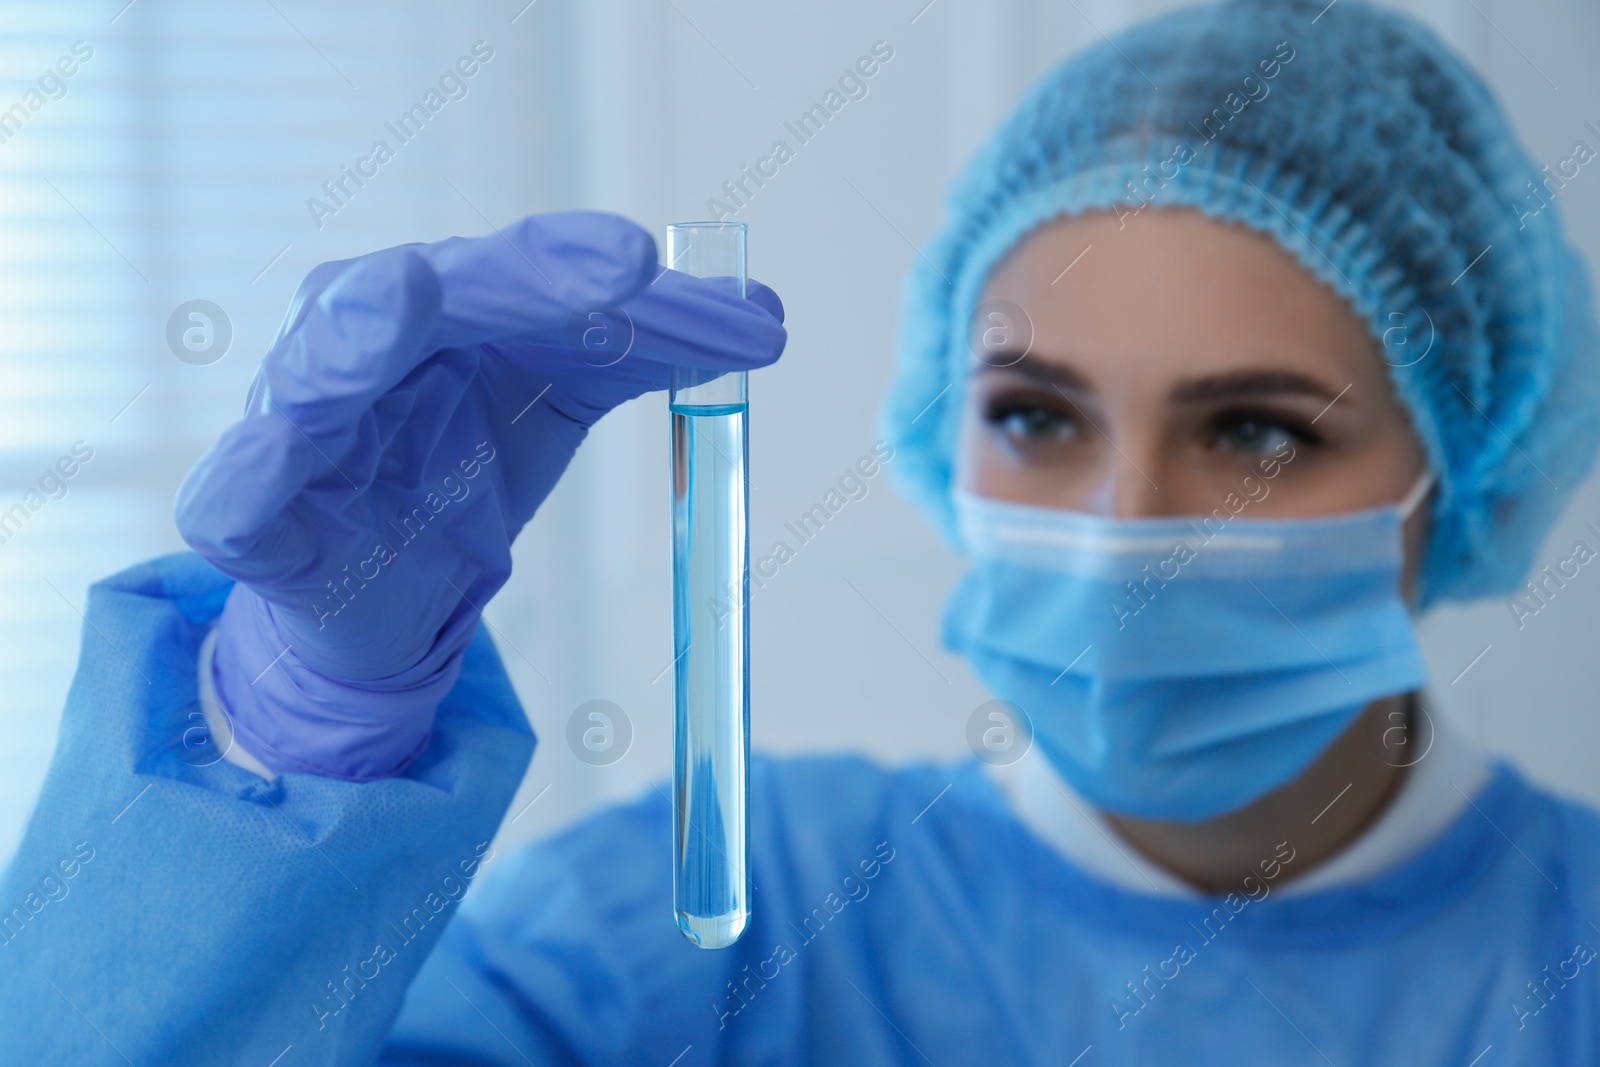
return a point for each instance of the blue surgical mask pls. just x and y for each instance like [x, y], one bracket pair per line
[1182, 668]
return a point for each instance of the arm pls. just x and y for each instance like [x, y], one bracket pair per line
[566, 955]
[416, 408]
[167, 907]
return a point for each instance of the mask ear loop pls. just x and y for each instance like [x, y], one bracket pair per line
[1417, 495]
[1407, 507]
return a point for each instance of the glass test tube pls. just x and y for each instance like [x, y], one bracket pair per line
[710, 618]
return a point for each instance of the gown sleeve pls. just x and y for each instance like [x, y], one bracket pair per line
[567, 954]
[165, 906]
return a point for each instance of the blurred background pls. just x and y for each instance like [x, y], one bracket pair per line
[185, 159]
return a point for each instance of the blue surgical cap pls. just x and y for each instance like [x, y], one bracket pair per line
[1353, 136]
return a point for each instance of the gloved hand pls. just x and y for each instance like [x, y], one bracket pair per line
[417, 406]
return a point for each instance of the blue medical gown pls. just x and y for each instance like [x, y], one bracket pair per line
[901, 916]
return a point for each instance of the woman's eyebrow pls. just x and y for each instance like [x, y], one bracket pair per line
[1037, 369]
[1249, 383]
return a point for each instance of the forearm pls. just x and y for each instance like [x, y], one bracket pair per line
[211, 915]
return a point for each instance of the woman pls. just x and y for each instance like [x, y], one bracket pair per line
[1234, 353]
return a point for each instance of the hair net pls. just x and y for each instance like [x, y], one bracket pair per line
[1354, 137]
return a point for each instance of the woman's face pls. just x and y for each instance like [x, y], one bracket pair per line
[1174, 361]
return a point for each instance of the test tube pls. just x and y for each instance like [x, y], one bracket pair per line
[710, 617]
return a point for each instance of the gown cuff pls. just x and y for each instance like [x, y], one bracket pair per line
[219, 728]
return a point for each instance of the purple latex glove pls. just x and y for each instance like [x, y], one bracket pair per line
[417, 406]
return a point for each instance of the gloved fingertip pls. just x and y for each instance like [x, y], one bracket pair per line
[765, 298]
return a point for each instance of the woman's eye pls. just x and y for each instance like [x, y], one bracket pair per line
[1032, 423]
[1258, 434]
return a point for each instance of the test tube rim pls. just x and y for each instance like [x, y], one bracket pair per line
[683, 380]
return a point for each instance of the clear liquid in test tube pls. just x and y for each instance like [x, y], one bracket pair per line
[710, 618]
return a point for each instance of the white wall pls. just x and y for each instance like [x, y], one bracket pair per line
[189, 144]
